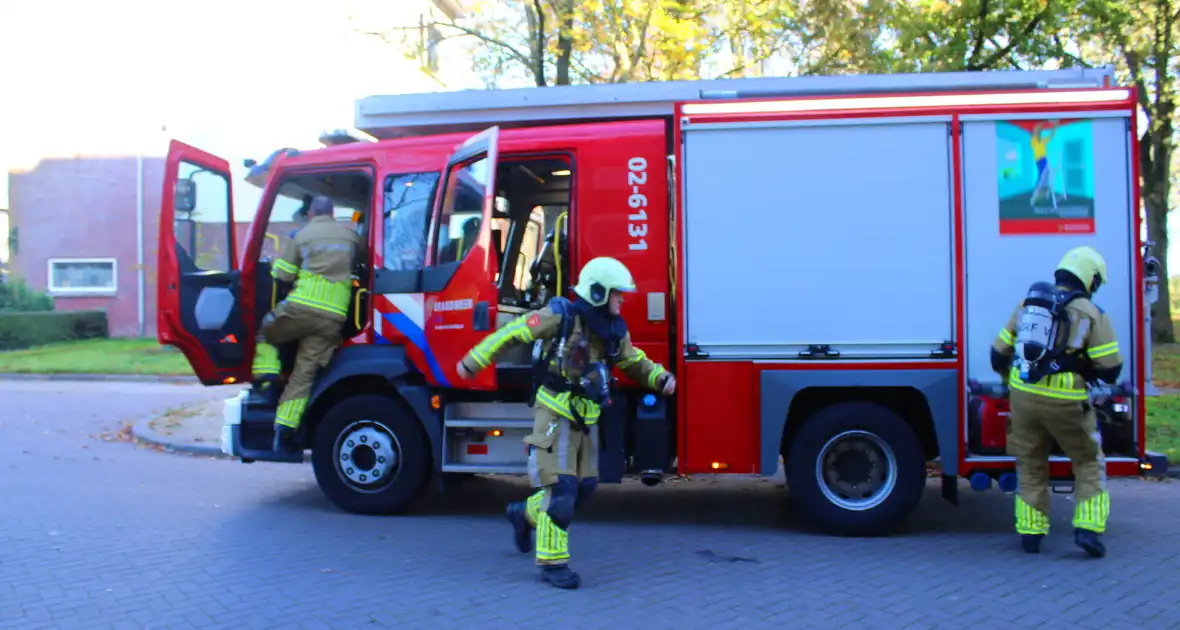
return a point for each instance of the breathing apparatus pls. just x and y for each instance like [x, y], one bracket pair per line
[598, 278]
[1043, 325]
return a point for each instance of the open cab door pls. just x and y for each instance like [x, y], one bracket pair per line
[460, 278]
[200, 286]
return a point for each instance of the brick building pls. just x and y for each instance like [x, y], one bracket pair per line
[74, 234]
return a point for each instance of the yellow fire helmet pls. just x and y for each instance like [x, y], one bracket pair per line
[600, 276]
[1087, 264]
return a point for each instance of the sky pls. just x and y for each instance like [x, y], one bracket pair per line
[236, 78]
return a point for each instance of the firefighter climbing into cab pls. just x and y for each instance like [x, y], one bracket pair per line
[1055, 344]
[319, 259]
[572, 380]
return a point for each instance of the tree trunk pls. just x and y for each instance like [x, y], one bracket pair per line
[565, 42]
[535, 18]
[1155, 195]
[1157, 181]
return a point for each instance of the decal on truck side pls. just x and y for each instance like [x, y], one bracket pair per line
[405, 314]
[637, 228]
[454, 305]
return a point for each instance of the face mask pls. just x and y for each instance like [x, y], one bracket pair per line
[596, 383]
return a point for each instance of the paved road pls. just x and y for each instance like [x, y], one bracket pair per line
[107, 534]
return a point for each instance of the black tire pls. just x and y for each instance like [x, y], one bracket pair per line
[375, 417]
[889, 507]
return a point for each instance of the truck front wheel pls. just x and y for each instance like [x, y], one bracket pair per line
[370, 455]
[856, 469]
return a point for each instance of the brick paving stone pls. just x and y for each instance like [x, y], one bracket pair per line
[106, 534]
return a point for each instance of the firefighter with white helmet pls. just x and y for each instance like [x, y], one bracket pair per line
[577, 343]
[1054, 344]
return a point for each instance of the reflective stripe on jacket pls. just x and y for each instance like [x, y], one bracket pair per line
[319, 260]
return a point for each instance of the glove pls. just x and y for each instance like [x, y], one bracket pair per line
[669, 384]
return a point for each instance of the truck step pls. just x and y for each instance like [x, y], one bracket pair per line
[490, 415]
[269, 455]
[481, 423]
[486, 469]
[486, 438]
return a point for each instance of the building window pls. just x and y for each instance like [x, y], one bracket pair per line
[82, 276]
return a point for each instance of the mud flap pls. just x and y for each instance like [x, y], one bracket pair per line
[1155, 465]
[950, 489]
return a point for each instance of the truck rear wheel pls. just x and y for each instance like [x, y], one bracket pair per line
[370, 455]
[856, 469]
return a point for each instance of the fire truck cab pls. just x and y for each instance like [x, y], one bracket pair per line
[823, 262]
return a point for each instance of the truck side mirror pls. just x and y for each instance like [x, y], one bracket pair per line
[184, 195]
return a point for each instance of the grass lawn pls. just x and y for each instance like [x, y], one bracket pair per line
[97, 356]
[1165, 366]
[147, 356]
[1163, 412]
[1163, 426]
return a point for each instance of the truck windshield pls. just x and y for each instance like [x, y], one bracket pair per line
[408, 200]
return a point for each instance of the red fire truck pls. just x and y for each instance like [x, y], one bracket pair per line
[823, 261]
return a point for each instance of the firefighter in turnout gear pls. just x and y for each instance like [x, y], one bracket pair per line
[582, 340]
[319, 260]
[267, 367]
[1055, 344]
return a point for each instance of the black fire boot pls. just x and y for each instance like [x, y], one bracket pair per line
[265, 392]
[521, 532]
[561, 576]
[284, 439]
[1031, 543]
[1089, 542]
[258, 392]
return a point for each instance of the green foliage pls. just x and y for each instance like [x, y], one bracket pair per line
[936, 35]
[1141, 38]
[18, 296]
[22, 330]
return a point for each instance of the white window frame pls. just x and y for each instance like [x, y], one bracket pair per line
[82, 291]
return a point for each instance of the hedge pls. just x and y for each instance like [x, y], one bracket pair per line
[22, 330]
[17, 296]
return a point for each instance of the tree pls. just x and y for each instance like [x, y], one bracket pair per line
[562, 42]
[1140, 38]
[932, 35]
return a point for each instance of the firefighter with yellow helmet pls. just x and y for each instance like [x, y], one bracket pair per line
[319, 260]
[1055, 344]
[579, 340]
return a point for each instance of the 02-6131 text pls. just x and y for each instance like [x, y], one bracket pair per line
[637, 226]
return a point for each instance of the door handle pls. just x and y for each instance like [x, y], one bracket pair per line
[480, 316]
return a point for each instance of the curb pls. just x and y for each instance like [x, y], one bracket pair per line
[136, 378]
[143, 433]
